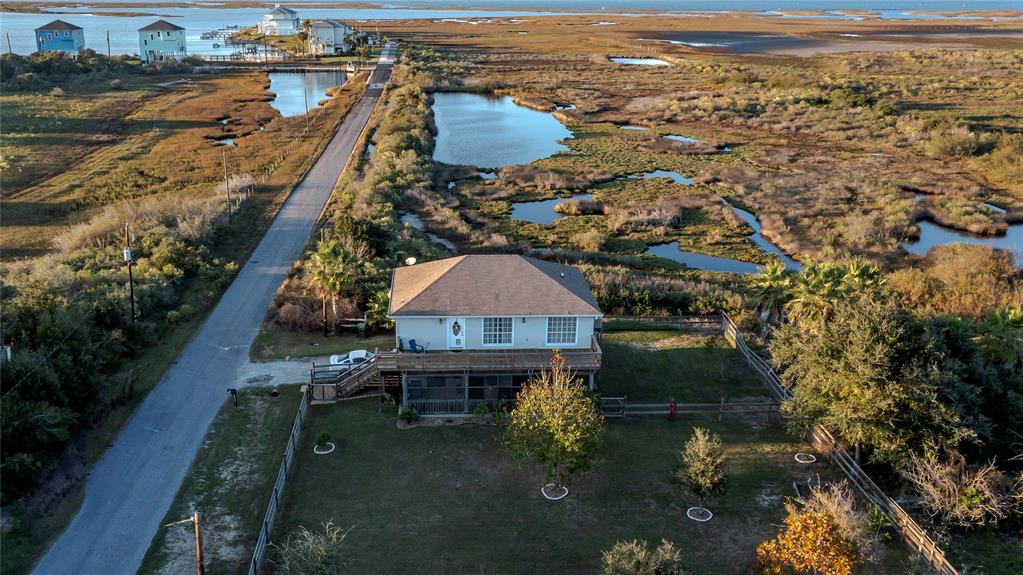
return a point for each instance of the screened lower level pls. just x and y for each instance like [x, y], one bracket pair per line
[461, 393]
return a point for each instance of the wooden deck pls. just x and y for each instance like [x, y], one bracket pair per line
[581, 360]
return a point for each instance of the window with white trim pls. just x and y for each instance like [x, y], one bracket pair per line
[561, 330]
[497, 331]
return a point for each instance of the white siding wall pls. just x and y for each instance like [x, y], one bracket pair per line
[530, 334]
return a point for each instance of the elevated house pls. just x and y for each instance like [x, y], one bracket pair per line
[162, 41]
[280, 21]
[60, 36]
[473, 329]
[331, 37]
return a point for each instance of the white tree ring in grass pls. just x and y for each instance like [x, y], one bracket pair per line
[806, 457]
[551, 486]
[329, 448]
[700, 514]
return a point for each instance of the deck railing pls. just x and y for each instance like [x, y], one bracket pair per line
[487, 360]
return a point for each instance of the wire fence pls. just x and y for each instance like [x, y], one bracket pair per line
[278, 491]
[825, 442]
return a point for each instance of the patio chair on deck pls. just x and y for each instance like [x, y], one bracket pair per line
[416, 348]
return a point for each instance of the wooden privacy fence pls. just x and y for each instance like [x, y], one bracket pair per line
[278, 491]
[622, 407]
[709, 322]
[823, 441]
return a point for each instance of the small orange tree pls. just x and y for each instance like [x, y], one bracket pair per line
[556, 423]
[810, 543]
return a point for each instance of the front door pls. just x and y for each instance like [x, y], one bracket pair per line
[456, 333]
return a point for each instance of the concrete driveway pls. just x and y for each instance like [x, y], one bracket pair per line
[132, 486]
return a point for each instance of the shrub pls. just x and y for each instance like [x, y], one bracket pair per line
[636, 558]
[408, 415]
[116, 84]
[955, 142]
[57, 92]
[322, 439]
[312, 553]
[703, 464]
[591, 240]
[960, 496]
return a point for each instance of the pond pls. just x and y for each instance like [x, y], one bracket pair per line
[492, 131]
[640, 61]
[673, 176]
[761, 242]
[542, 212]
[932, 235]
[292, 90]
[702, 261]
[679, 138]
[417, 223]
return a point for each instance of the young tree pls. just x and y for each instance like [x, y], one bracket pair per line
[555, 423]
[703, 464]
[636, 558]
[827, 536]
[809, 544]
[313, 552]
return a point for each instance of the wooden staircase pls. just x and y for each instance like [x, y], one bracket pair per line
[324, 387]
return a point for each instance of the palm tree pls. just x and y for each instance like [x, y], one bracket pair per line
[772, 287]
[815, 292]
[376, 310]
[1001, 336]
[334, 269]
[861, 276]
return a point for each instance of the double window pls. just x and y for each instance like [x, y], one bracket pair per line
[497, 331]
[561, 330]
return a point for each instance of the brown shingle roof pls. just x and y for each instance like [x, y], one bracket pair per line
[59, 25]
[490, 285]
[161, 25]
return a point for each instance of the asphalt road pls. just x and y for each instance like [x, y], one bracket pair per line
[132, 486]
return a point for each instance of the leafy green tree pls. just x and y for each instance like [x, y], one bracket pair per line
[637, 558]
[772, 287]
[555, 423]
[703, 464]
[1001, 336]
[863, 374]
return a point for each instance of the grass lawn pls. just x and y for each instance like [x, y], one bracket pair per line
[988, 552]
[276, 343]
[659, 365]
[446, 500]
[229, 483]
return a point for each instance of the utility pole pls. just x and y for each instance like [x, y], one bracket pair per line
[194, 520]
[227, 186]
[305, 97]
[108, 43]
[128, 261]
[9, 43]
[200, 569]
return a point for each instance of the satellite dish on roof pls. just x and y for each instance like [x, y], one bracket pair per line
[410, 261]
